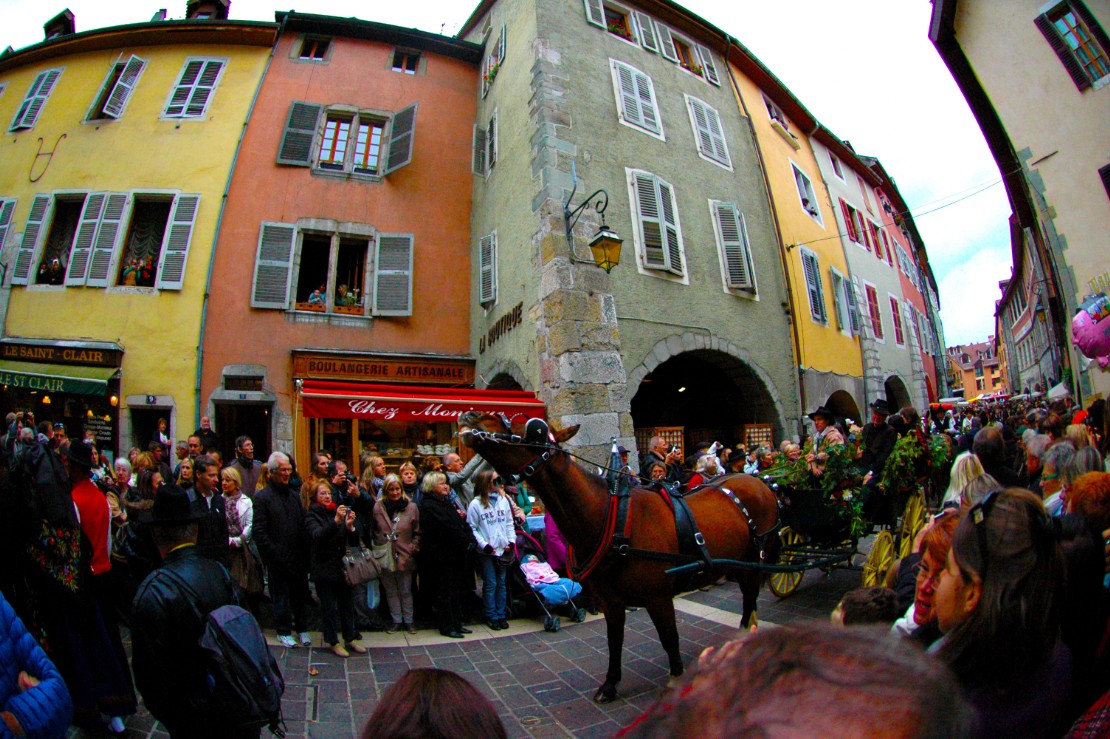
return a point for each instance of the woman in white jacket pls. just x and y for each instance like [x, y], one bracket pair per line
[491, 520]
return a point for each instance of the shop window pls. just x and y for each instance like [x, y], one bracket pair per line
[35, 99]
[406, 62]
[806, 194]
[349, 273]
[364, 143]
[315, 49]
[117, 89]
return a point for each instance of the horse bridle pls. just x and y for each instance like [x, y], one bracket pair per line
[500, 437]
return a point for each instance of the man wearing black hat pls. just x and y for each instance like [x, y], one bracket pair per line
[878, 442]
[168, 618]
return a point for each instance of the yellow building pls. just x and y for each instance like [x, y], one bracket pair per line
[117, 152]
[823, 306]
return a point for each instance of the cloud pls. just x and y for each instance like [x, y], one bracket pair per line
[968, 293]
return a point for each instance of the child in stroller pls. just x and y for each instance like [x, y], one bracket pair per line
[551, 590]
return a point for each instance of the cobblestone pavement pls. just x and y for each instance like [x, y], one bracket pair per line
[541, 683]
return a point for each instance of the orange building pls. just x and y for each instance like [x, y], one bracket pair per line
[342, 258]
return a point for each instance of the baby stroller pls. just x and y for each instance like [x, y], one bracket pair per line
[550, 590]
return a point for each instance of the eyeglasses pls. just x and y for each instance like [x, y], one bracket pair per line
[978, 515]
[497, 482]
[922, 573]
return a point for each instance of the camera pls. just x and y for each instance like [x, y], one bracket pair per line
[673, 449]
[351, 479]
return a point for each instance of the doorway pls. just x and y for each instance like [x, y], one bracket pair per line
[242, 419]
[144, 422]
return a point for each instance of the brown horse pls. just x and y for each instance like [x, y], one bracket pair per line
[579, 503]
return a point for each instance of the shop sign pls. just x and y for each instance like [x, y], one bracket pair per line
[381, 369]
[500, 327]
[51, 384]
[444, 410]
[102, 429]
[61, 354]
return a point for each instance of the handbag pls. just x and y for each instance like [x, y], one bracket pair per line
[359, 566]
[382, 554]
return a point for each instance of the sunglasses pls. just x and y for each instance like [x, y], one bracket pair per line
[59, 427]
[978, 514]
[497, 482]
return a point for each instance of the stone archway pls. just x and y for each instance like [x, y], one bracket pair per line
[843, 406]
[897, 396]
[722, 390]
[504, 375]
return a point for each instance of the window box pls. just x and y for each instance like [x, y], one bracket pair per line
[619, 29]
[351, 310]
[314, 307]
[491, 74]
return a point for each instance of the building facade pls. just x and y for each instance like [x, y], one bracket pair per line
[118, 147]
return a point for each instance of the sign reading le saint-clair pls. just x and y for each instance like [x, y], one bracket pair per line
[428, 372]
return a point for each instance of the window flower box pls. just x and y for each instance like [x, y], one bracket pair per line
[314, 307]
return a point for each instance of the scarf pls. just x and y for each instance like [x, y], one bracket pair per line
[394, 508]
[234, 525]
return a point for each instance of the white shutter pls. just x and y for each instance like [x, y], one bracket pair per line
[175, 247]
[838, 299]
[637, 97]
[104, 245]
[670, 223]
[708, 65]
[595, 12]
[708, 132]
[478, 163]
[33, 103]
[393, 275]
[273, 266]
[32, 233]
[300, 129]
[666, 43]
[646, 31]
[194, 88]
[734, 246]
[7, 210]
[401, 139]
[487, 269]
[184, 87]
[853, 305]
[812, 270]
[202, 91]
[81, 252]
[651, 222]
[501, 46]
[124, 86]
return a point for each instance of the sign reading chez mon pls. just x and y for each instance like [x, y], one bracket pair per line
[60, 354]
[383, 369]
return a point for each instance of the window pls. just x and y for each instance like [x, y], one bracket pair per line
[853, 222]
[358, 272]
[350, 141]
[840, 302]
[315, 49]
[7, 211]
[484, 156]
[873, 311]
[733, 246]
[811, 268]
[194, 88]
[708, 134]
[406, 62]
[864, 193]
[805, 193]
[35, 99]
[896, 316]
[873, 239]
[1103, 174]
[655, 223]
[1079, 41]
[157, 231]
[487, 270]
[491, 65]
[117, 89]
[837, 170]
[635, 95]
[618, 22]
[775, 112]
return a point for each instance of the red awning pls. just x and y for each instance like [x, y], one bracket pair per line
[331, 399]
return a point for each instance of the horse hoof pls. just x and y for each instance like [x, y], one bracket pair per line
[603, 696]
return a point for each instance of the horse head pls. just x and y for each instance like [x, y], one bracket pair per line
[509, 444]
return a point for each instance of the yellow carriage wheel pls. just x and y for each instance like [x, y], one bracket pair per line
[912, 520]
[879, 560]
[784, 583]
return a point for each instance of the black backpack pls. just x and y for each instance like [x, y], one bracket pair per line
[245, 682]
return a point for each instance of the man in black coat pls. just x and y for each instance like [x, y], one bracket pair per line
[445, 539]
[168, 619]
[878, 441]
[279, 532]
[207, 500]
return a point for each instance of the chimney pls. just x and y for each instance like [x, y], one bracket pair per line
[207, 9]
[159, 16]
[60, 25]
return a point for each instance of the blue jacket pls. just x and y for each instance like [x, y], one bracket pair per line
[46, 709]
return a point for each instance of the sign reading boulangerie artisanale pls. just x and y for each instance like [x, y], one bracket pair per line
[378, 368]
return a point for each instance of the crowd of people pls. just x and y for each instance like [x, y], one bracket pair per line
[1005, 588]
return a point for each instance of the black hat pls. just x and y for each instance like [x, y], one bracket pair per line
[79, 454]
[172, 507]
[880, 406]
[621, 450]
[823, 411]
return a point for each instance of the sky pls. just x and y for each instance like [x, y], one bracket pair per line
[864, 68]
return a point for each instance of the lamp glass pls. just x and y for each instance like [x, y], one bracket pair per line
[606, 248]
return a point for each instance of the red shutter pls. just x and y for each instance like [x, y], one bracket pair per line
[848, 221]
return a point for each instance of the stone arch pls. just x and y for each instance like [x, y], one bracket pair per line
[843, 405]
[505, 374]
[720, 358]
[897, 394]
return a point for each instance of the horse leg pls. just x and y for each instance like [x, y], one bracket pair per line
[614, 630]
[662, 615]
[749, 588]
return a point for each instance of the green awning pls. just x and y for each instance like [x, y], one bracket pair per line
[57, 378]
